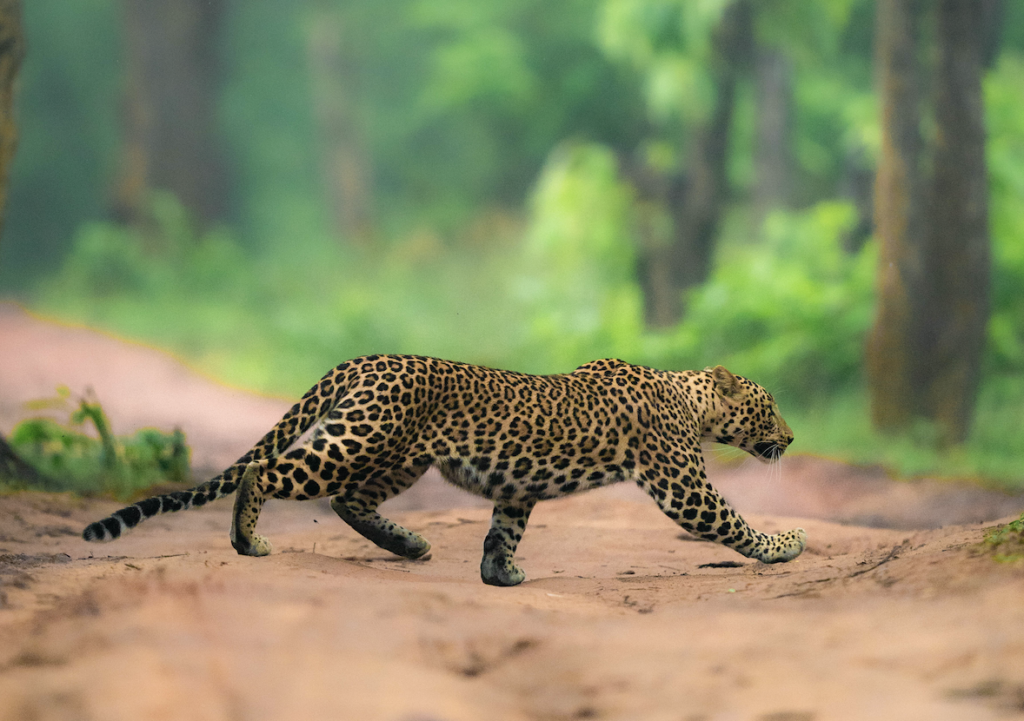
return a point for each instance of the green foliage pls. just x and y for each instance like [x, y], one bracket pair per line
[276, 322]
[1007, 542]
[669, 42]
[457, 103]
[467, 109]
[1005, 156]
[485, 60]
[839, 426]
[835, 117]
[67, 114]
[809, 32]
[97, 462]
[579, 279]
[791, 312]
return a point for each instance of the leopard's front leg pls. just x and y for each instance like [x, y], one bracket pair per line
[249, 500]
[498, 567]
[699, 508]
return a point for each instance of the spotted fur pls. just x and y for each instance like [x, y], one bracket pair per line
[515, 439]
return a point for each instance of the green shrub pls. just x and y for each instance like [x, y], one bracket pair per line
[791, 312]
[72, 458]
[576, 278]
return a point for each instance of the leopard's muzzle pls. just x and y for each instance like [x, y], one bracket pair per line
[769, 451]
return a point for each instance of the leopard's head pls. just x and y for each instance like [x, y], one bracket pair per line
[744, 415]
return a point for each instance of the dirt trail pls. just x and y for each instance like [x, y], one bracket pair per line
[620, 618]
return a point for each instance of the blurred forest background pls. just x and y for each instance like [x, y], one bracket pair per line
[822, 195]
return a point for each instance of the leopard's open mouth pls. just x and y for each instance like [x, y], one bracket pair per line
[769, 451]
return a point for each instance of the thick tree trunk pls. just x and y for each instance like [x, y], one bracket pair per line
[170, 139]
[899, 195]
[925, 351]
[957, 263]
[695, 201]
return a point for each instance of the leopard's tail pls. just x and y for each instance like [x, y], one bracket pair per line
[120, 522]
[316, 404]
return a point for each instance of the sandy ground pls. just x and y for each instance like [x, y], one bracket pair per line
[893, 612]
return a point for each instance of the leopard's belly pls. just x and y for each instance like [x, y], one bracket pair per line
[539, 484]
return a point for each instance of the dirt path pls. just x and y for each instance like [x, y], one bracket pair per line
[617, 620]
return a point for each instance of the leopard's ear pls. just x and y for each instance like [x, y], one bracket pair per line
[727, 385]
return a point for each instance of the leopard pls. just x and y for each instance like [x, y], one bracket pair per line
[379, 422]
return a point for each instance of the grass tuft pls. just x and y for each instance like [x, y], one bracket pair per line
[1007, 542]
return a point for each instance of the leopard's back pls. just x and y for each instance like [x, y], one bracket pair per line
[511, 436]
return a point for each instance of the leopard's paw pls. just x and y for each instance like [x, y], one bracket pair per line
[260, 546]
[783, 547]
[500, 572]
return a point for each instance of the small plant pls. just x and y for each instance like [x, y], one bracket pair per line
[92, 460]
[1007, 542]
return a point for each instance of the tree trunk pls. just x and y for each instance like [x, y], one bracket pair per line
[898, 217]
[654, 230]
[346, 162]
[12, 51]
[695, 201]
[773, 83]
[169, 117]
[925, 351]
[958, 260]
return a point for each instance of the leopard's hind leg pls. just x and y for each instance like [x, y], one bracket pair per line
[305, 473]
[358, 508]
[249, 500]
